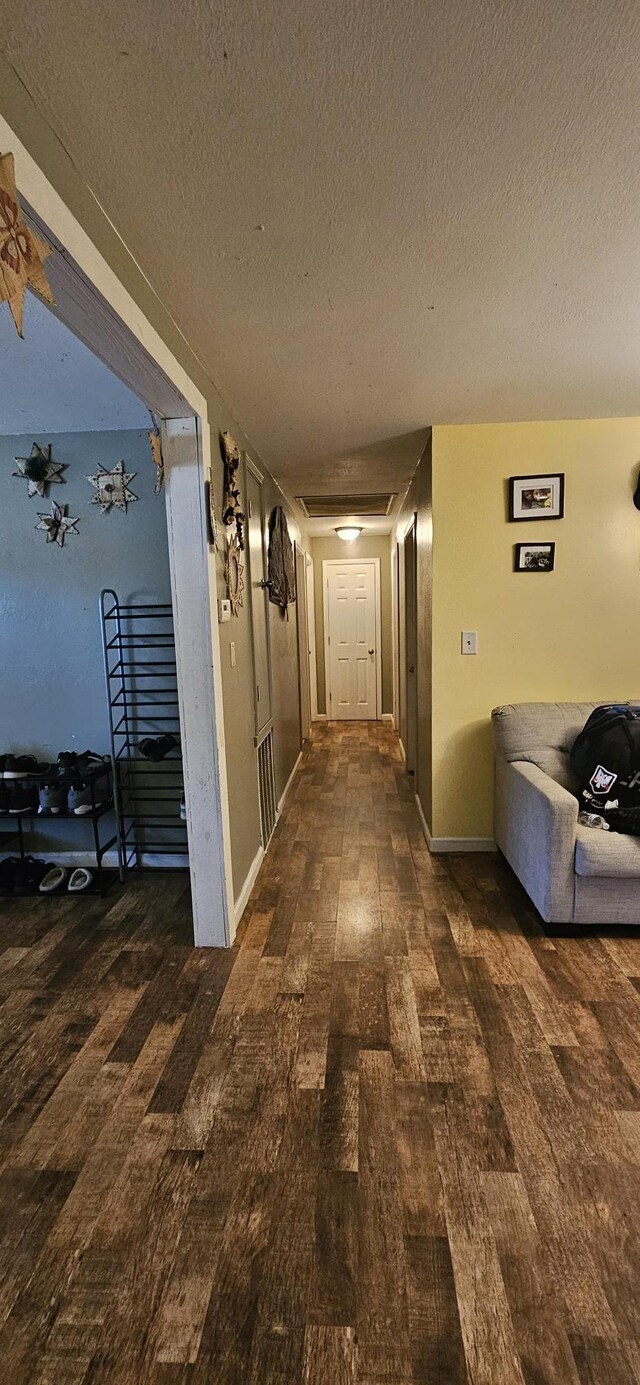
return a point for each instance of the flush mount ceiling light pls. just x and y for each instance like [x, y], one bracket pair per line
[349, 532]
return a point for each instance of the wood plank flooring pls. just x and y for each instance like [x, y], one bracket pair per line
[392, 1136]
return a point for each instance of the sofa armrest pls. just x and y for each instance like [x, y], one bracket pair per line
[535, 825]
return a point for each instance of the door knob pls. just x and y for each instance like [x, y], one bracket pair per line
[372, 651]
[265, 584]
[411, 668]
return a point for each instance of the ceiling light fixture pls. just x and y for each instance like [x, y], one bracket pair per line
[349, 532]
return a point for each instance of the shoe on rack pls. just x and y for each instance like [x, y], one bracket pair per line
[84, 798]
[156, 747]
[183, 809]
[5, 797]
[23, 767]
[80, 880]
[8, 874]
[54, 880]
[52, 798]
[29, 874]
[24, 800]
[71, 765]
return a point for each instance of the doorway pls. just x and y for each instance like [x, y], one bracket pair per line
[411, 646]
[89, 314]
[353, 669]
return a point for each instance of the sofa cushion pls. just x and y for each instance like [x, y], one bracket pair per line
[541, 733]
[607, 854]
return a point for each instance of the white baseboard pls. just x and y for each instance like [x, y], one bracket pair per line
[243, 897]
[438, 846]
[288, 784]
[387, 716]
[319, 716]
[423, 822]
[402, 749]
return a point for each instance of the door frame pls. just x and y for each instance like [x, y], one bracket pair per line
[302, 632]
[92, 301]
[352, 562]
[311, 626]
[259, 735]
[411, 638]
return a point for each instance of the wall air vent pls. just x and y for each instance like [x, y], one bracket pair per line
[328, 506]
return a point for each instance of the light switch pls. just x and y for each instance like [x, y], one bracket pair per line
[469, 643]
[232, 652]
[224, 610]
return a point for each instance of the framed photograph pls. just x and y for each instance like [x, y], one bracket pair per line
[536, 497]
[535, 557]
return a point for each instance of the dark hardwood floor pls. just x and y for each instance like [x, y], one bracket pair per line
[393, 1136]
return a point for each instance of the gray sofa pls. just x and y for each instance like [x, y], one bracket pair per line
[573, 874]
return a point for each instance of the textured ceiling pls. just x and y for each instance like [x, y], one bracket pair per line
[366, 217]
[51, 383]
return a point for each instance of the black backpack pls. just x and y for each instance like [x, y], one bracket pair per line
[605, 760]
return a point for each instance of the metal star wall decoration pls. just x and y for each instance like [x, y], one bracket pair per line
[57, 524]
[21, 250]
[112, 487]
[38, 470]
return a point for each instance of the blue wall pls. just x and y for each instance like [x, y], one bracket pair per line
[52, 692]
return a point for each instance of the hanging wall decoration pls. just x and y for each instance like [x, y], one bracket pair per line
[234, 575]
[21, 250]
[39, 470]
[212, 523]
[232, 512]
[112, 487]
[156, 452]
[57, 524]
[282, 572]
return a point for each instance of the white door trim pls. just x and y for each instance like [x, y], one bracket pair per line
[94, 303]
[311, 622]
[352, 562]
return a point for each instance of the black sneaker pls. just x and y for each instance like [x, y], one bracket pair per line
[5, 797]
[156, 747]
[8, 874]
[22, 767]
[74, 766]
[29, 873]
[24, 800]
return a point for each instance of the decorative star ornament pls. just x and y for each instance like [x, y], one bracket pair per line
[38, 470]
[21, 251]
[57, 524]
[156, 453]
[112, 487]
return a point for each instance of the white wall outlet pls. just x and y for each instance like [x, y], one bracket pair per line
[224, 610]
[232, 653]
[469, 642]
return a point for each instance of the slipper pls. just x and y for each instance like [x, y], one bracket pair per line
[79, 880]
[53, 880]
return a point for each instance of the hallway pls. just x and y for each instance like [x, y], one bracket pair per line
[391, 1136]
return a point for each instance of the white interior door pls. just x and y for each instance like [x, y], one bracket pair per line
[352, 640]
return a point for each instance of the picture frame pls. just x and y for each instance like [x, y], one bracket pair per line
[536, 497]
[534, 557]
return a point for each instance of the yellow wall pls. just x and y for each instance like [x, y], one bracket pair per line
[570, 634]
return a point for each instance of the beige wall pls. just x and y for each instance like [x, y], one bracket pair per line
[418, 501]
[130, 291]
[374, 546]
[567, 635]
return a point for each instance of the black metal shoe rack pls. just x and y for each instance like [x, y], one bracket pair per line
[100, 783]
[142, 695]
